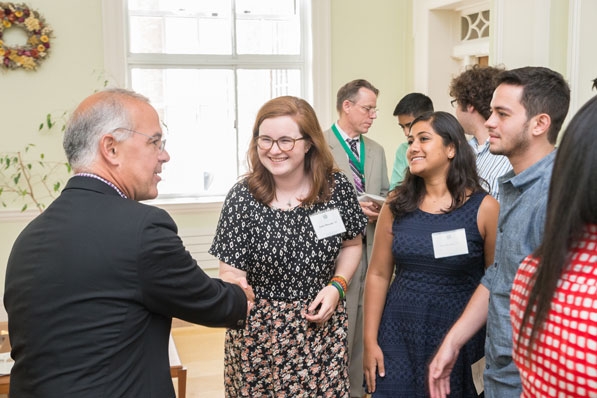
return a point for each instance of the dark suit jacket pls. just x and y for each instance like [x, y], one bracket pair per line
[376, 172]
[91, 287]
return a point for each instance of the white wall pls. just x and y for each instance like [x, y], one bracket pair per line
[581, 55]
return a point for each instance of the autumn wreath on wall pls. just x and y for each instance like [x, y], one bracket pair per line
[37, 46]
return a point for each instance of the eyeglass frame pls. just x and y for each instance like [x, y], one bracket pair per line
[406, 125]
[454, 101]
[159, 143]
[294, 140]
[367, 109]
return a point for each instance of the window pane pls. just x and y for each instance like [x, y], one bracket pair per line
[271, 7]
[181, 36]
[255, 87]
[215, 35]
[146, 35]
[181, 27]
[268, 27]
[181, 6]
[198, 108]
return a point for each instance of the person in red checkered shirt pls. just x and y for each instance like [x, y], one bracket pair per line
[554, 295]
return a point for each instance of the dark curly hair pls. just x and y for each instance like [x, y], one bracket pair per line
[475, 87]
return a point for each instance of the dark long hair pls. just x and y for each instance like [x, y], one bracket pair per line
[571, 205]
[319, 162]
[462, 173]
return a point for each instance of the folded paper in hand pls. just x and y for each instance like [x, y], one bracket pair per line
[6, 363]
[369, 197]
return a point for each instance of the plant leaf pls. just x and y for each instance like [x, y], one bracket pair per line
[49, 121]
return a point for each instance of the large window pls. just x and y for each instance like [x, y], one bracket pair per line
[207, 66]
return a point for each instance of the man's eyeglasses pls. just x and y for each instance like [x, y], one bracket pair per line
[405, 126]
[369, 109]
[454, 103]
[285, 144]
[159, 143]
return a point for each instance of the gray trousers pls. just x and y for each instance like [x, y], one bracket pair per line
[354, 310]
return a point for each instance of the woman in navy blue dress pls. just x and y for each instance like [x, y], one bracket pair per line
[434, 238]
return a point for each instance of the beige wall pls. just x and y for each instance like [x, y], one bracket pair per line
[373, 40]
[369, 41]
[71, 71]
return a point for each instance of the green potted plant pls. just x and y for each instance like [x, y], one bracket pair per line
[28, 178]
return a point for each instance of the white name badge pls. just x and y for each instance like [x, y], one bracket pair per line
[449, 243]
[327, 223]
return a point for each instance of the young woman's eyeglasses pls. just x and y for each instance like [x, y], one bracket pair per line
[284, 143]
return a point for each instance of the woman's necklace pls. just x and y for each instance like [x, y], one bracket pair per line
[436, 205]
[289, 203]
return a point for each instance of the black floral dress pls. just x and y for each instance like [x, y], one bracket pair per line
[280, 353]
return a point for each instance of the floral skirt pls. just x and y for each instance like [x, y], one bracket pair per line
[280, 354]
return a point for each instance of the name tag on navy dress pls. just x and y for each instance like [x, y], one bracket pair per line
[449, 243]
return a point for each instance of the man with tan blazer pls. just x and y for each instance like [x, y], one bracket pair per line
[356, 104]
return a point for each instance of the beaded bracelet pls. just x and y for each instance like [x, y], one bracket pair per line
[339, 287]
[342, 281]
[339, 283]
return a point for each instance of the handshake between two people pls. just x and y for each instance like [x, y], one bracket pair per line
[319, 310]
[242, 282]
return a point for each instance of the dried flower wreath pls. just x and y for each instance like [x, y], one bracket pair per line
[37, 46]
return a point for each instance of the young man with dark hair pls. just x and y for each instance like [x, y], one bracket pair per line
[407, 109]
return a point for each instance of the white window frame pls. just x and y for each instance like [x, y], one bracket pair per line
[468, 51]
[115, 32]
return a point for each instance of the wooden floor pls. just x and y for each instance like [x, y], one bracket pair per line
[201, 351]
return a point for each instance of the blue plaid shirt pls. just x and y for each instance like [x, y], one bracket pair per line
[523, 202]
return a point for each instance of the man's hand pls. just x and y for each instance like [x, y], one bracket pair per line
[242, 282]
[439, 371]
[371, 210]
[234, 275]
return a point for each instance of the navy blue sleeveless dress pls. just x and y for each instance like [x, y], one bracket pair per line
[425, 298]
